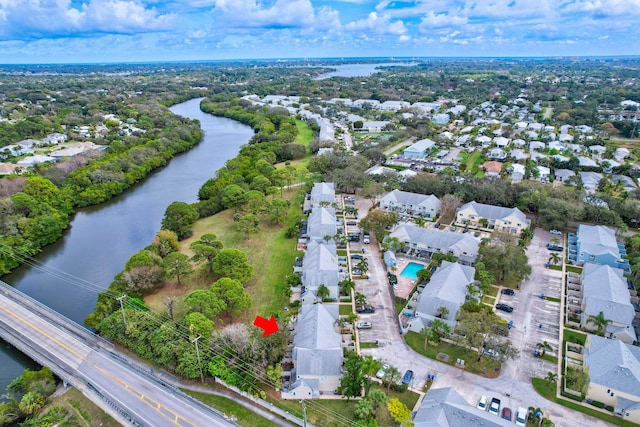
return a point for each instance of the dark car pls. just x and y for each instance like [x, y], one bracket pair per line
[504, 307]
[494, 406]
[506, 413]
[407, 377]
[356, 256]
[553, 247]
[365, 309]
[508, 291]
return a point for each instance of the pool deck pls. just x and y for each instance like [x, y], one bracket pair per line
[405, 285]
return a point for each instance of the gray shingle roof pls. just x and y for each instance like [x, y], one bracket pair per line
[491, 212]
[320, 265]
[605, 290]
[444, 407]
[597, 240]
[613, 364]
[414, 199]
[459, 243]
[447, 287]
[322, 192]
[322, 222]
[317, 345]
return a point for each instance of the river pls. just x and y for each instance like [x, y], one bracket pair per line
[70, 273]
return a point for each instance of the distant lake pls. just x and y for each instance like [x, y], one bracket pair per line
[360, 70]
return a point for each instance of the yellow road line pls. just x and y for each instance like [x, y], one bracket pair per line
[127, 386]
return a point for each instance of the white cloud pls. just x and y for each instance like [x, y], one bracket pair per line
[604, 8]
[380, 24]
[441, 20]
[32, 19]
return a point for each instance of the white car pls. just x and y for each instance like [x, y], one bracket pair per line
[364, 325]
[521, 417]
[382, 371]
[482, 403]
[556, 232]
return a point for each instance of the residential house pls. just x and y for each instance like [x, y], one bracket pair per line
[537, 145]
[445, 407]
[518, 172]
[441, 119]
[544, 174]
[411, 204]
[446, 288]
[501, 141]
[626, 181]
[317, 353]
[35, 159]
[586, 161]
[322, 222]
[604, 290]
[424, 242]
[9, 168]
[320, 267]
[483, 140]
[479, 215]
[597, 244]
[519, 154]
[518, 143]
[419, 149]
[614, 375]
[492, 168]
[394, 105]
[374, 126]
[590, 180]
[323, 193]
[564, 175]
[497, 154]
[380, 170]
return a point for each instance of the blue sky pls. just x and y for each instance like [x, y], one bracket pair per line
[53, 31]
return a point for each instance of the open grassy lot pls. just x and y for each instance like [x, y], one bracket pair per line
[305, 134]
[82, 411]
[473, 163]
[488, 367]
[269, 252]
[244, 417]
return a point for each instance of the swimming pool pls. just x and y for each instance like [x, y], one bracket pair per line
[411, 270]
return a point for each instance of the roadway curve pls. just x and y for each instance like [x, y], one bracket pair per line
[100, 373]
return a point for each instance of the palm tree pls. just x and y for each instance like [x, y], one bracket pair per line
[554, 258]
[360, 298]
[555, 241]
[420, 221]
[369, 367]
[443, 311]
[363, 265]
[347, 286]
[323, 292]
[391, 375]
[542, 348]
[551, 377]
[600, 322]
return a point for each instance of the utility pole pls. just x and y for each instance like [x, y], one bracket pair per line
[304, 413]
[124, 319]
[195, 340]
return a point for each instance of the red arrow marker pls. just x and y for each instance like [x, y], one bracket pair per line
[270, 326]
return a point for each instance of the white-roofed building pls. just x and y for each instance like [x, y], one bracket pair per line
[411, 204]
[493, 218]
[320, 267]
[446, 288]
[598, 244]
[317, 353]
[419, 149]
[604, 290]
[614, 375]
[322, 222]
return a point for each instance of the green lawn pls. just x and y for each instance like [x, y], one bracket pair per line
[490, 366]
[345, 309]
[473, 162]
[305, 134]
[245, 417]
[553, 299]
[573, 269]
[574, 336]
[548, 391]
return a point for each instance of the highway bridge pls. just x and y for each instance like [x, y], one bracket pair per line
[124, 388]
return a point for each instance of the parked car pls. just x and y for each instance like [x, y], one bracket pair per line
[494, 406]
[382, 371]
[556, 232]
[491, 353]
[521, 417]
[508, 291]
[553, 247]
[352, 222]
[506, 413]
[366, 239]
[482, 403]
[504, 307]
[407, 377]
[365, 309]
[364, 325]
[356, 256]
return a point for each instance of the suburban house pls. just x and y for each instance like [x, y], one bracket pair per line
[597, 244]
[445, 407]
[374, 126]
[497, 218]
[320, 267]
[447, 288]
[424, 242]
[604, 290]
[614, 375]
[590, 180]
[411, 204]
[322, 222]
[322, 193]
[563, 175]
[491, 168]
[317, 353]
[419, 149]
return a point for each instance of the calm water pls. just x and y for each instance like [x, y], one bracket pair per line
[411, 270]
[102, 238]
[360, 70]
